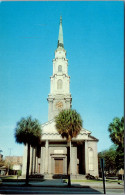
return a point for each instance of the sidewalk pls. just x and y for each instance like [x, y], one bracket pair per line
[100, 185]
[60, 183]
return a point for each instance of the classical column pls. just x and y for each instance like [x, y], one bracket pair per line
[86, 157]
[30, 165]
[46, 156]
[36, 164]
[32, 161]
[70, 158]
[24, 161]
[42, 160]
[35, 160]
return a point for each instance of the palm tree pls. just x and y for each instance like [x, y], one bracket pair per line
[28, 131]
[116, 129]
[68, 124]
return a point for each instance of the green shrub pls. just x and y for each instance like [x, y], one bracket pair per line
[19, 173]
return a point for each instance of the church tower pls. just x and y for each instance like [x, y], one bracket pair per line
[59, 97]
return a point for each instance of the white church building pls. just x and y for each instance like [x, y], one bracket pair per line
[51, 158]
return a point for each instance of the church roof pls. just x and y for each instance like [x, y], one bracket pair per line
[93, 138]
[49, 131]
[60, 38]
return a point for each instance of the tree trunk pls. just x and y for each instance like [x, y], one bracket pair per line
[68, 162]
[28, 164]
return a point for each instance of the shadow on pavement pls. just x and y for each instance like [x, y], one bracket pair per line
[52, 186]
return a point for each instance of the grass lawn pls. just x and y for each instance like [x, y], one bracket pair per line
[13, 178]
[88, 181]
[85, 180]
[9, 177]
[82, 180]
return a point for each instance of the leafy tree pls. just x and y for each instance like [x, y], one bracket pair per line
[116, 129]
[9, 165]
[2, 162]
[1, 159]
[120, 158]
[109, 157]
[28, 131]
[68, 124]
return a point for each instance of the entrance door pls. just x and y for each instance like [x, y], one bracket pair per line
[58, 166]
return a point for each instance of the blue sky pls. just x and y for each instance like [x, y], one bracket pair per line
[93, 38]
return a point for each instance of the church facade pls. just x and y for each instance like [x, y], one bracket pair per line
[51, 158]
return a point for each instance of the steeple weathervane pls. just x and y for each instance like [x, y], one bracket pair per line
[60, 38]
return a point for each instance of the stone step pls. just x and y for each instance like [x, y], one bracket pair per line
[51, 176]
[79, 176]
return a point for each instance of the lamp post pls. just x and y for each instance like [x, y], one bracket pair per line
[103, 176]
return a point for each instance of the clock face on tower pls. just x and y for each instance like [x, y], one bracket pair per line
[59, 105]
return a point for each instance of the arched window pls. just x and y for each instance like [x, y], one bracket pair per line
[59, 68]
[91, 156]
[59, 84]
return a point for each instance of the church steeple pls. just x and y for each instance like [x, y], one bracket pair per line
[60, 38]
[59, 97]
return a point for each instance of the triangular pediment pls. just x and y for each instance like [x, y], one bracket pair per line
[50, 128]
[49, 131]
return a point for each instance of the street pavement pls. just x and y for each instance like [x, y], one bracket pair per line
[47, 190]
[57, 186]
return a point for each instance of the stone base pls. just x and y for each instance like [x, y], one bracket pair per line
[78, 176]
[51, 176]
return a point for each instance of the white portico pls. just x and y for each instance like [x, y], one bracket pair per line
[83, 155]
[51, 157]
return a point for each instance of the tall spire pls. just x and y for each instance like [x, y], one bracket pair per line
[60, 38]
